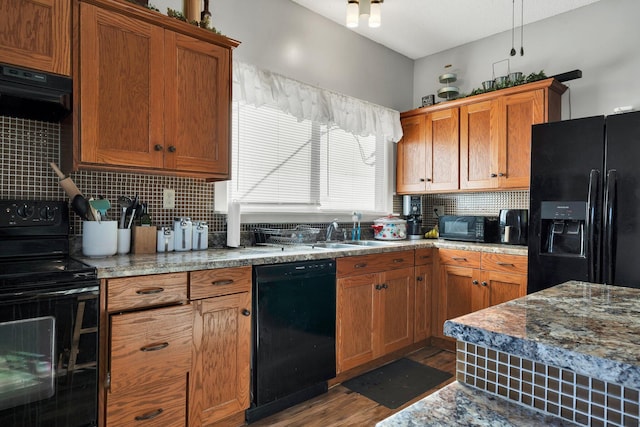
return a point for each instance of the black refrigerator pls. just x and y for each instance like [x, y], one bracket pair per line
[585, 202]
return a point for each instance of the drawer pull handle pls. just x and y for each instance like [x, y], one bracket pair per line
[425, 256]
[398, 260]
[222, 282]
[149, 415]
[150, 291]
[155, 347]
[245, 312]
[459, 258]
[361, 265]
[506, 264]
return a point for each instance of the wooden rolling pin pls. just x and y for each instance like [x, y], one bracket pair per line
[66, 183]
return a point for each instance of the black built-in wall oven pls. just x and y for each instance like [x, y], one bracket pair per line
[48, 320]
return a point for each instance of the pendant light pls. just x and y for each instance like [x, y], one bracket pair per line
[369, 10]
[353, 13]
[375, 17]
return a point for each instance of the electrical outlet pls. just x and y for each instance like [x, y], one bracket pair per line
[438, 210]
[168, 198]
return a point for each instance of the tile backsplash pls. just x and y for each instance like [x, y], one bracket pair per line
[28, 146]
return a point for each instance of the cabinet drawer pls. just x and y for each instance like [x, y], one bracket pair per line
[144, 291]
[161, 403]
[459, 258]
[424, 256]
[221, 281]
[374, 263]
[150, 345]
[504, 263]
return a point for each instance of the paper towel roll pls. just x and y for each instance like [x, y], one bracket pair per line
[233, 225]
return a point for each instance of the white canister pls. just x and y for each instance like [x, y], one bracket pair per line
[99, 239]
[200, 236]
[165, 240]
[182, 233]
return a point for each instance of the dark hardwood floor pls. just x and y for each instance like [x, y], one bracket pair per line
[343, 407]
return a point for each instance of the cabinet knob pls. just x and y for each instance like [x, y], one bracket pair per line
[493, 175]
[419, 279]
[245, 312]
[149, 415]
[172, 149]
[428, 179]
[502, 174]
[422, 180]
[484, 283]
[475, 282]
[158, 147]
[378, 287]
[384, 286]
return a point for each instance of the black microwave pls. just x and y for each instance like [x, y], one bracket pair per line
[483, 229]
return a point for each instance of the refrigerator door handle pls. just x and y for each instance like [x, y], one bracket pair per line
[610, 196]
[591, 226]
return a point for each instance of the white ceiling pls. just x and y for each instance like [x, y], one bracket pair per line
[417, 28]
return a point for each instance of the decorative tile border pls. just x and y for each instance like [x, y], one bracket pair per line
[557, 391]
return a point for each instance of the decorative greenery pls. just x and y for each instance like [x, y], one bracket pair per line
[202, 24]
[522, 80]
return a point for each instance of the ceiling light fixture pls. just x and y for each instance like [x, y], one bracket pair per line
[369, 10]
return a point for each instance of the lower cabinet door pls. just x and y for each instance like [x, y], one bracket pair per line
[356, 313]
[397, 305]
[219, 381]
[163, 403]
[423, 305]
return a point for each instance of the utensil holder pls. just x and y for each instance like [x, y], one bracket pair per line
[144, 239]
[124, 241]
[99, 239]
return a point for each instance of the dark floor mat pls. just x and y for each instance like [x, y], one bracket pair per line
[394, 384]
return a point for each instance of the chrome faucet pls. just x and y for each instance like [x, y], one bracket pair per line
[333, 226]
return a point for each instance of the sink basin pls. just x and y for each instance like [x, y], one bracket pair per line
[332, 245]
[371, 243]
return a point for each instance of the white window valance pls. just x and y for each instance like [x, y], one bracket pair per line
[305, 102]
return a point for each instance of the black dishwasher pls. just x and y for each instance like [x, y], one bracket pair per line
[294, 331]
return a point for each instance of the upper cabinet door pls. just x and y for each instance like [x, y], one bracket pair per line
[197, 105]
[520, 112]
[414, 154]
[36, 34]
[443, 137]
[479, 141]
[121, 96]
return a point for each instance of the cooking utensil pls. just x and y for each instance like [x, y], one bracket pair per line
[132, 209]
[125, 203]
[94, 212]
[101, 205]
[65, 182]
[80, 205]
[513, 27]
[522, 29]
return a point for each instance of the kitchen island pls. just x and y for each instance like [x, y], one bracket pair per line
[571, 352]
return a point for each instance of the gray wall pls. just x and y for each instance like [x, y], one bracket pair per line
[286, 38]
[600, 39]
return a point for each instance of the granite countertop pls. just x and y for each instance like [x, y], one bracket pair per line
[173, 262]
[460, 405]
[589, 328]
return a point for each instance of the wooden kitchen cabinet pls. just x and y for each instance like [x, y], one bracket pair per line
[36, 34]
[148, 357]
[428, 153]
[494, 136]
[219, 381]
[375, 306]
[423, 294]
[470, 281]
[154, 95]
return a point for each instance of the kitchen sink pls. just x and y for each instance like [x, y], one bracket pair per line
[370, 243]
[332, 245]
